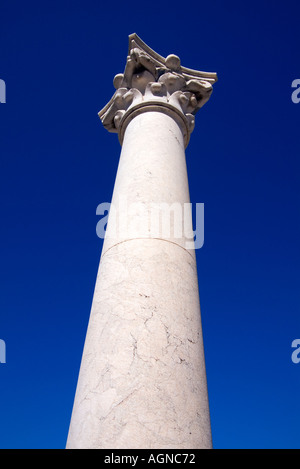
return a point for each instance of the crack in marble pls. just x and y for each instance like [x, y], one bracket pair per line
[144, 239]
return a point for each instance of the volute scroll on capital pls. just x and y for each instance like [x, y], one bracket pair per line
[152, 82]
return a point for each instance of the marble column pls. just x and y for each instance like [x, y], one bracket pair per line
[142, 380]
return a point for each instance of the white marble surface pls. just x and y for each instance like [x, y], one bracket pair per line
[152, 169]
[142, 381]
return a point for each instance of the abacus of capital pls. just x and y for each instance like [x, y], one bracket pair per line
[142, 380]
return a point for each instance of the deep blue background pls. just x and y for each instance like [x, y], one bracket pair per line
[58, 163]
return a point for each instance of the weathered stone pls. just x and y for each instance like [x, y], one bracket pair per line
[142, 381]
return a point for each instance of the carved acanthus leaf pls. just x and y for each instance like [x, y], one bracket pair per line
[150, 77]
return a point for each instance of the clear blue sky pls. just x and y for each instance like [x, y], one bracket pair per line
[58, 60]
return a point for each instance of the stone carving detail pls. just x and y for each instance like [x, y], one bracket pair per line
[150, 79]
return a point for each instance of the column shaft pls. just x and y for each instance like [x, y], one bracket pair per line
[142, 381]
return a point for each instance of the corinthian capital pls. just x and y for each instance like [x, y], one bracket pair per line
[151, 82]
